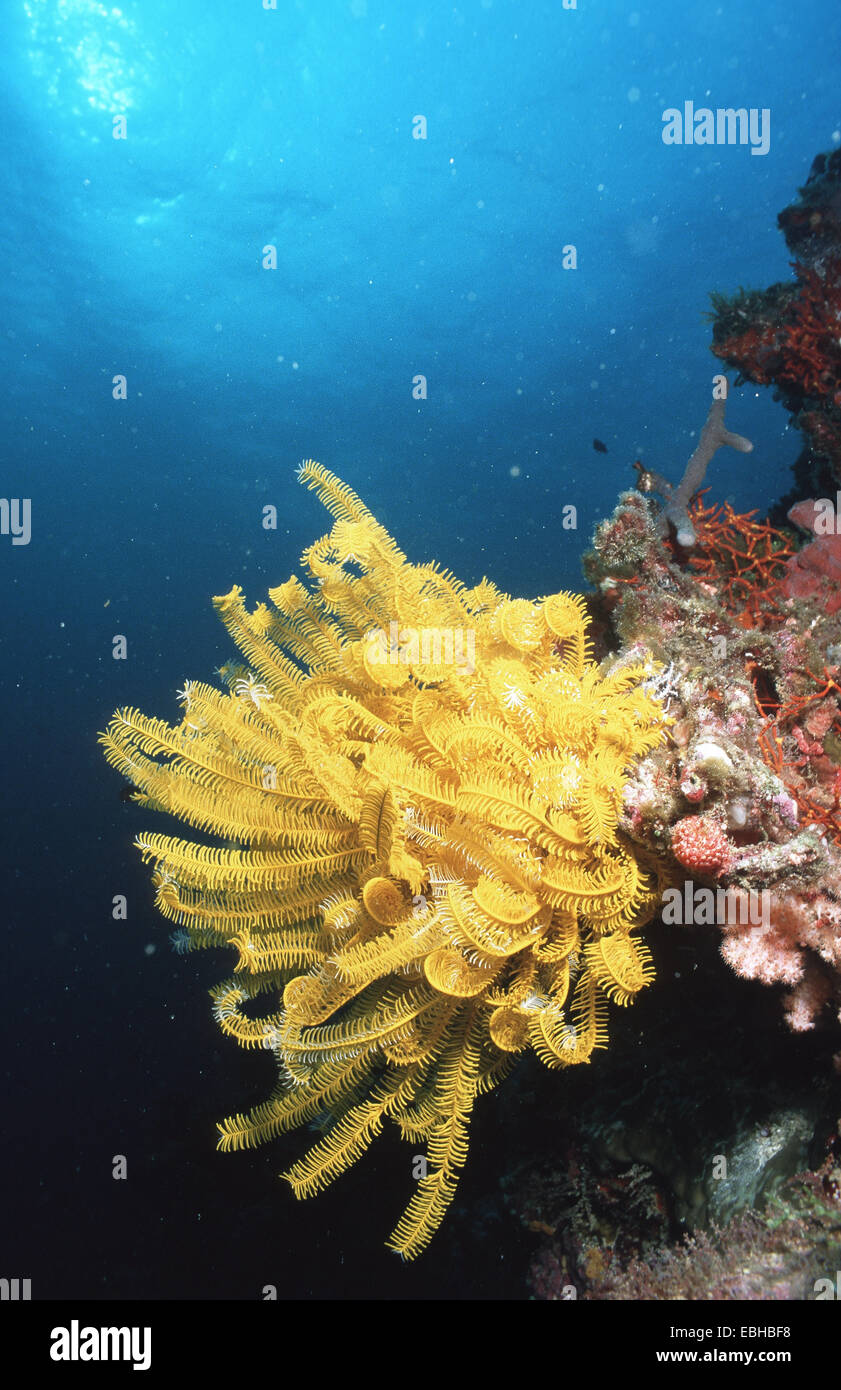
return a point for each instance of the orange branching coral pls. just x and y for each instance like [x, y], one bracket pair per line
[744, 561]
[743, 564]
[810, 351]
[414, 789]
[793, 741]
[791, 337]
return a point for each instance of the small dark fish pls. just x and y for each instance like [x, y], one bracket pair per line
[599, 447]
[128, 792]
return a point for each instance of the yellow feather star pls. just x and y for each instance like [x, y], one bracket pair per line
[414, 789]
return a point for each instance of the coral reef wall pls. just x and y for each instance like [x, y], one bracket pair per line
[744, 795]
[789, 335]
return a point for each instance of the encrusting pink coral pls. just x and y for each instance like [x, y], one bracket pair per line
[701, 846]
[815, 571]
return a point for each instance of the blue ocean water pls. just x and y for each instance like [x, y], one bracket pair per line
[442, 257]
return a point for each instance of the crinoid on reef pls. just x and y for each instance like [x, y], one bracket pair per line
[424, 782]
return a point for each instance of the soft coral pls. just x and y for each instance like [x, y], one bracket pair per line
[815, 571]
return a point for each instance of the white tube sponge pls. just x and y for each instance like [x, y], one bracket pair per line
[677, 499]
